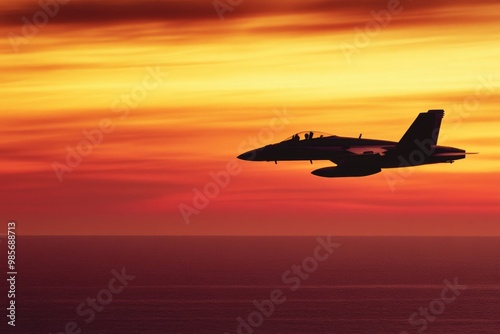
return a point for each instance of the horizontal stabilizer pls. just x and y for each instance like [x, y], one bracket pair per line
[449, 154]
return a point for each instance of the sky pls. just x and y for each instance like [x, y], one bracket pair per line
[125, 117]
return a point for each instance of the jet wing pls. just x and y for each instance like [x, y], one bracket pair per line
[364, 161]
[361, 150]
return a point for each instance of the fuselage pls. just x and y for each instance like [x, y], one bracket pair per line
[334, 148]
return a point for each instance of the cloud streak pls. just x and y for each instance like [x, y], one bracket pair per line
[117, 12]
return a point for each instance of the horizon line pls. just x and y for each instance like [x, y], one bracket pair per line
[253, 235]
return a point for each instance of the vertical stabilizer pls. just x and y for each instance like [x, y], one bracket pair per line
[425, 129]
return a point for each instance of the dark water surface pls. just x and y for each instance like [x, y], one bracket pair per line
[225, 284]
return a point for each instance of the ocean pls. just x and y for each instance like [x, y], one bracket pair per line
[268, 285]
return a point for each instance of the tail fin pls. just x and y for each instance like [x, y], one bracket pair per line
[425, 129]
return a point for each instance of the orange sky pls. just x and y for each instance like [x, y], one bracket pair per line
[178, 92]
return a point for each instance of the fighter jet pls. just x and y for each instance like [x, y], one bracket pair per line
[360, 156]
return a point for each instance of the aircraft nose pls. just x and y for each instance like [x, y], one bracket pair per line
[249, 156]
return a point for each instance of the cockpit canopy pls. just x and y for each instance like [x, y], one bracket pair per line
[306, 135]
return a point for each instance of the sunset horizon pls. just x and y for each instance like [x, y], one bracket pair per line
[117, 116]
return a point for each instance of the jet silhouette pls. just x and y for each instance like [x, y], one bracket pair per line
[361, 157]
